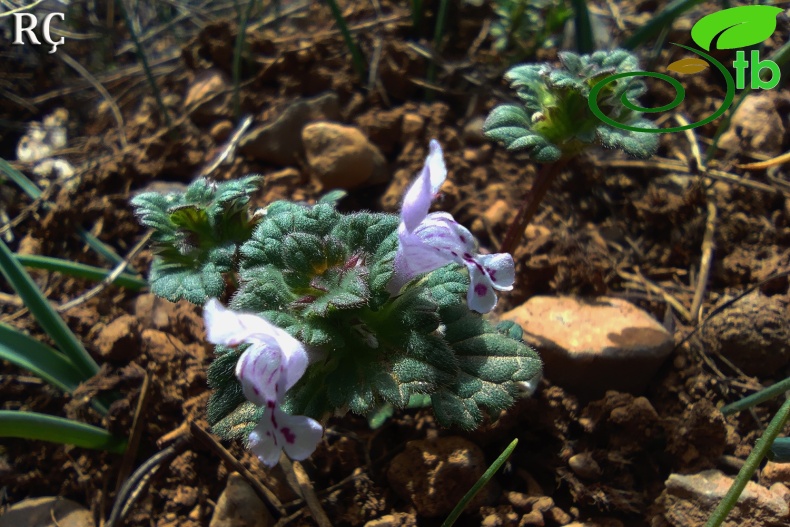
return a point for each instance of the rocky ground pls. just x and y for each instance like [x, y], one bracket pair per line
[624, 430]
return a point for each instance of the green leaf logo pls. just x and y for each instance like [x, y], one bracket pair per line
[737, 27]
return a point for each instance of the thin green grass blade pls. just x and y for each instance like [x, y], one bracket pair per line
[38, 358]
[750, 466]
[79, 270]
[141, 56]
[356, 55]
[756, 398]
[99, 246]
[32, 425]
[30, 188]
[780, 450]
[416, 15]
[486, 477]
[584, 31]
[244, 19]
[664, 18]
[438, 35]
[47, 317]
[781, 57]
[27, 186]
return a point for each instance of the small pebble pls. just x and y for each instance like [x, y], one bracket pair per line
[221, 131]
[120, 339]
[412, 125]
[279, 141]
[341, 156]
[240, 506]
[49, 511]
[208, 96]
[584, 466]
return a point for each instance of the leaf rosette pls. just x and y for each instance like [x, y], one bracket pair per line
[196, 236]
[322, 276]
[554, 120]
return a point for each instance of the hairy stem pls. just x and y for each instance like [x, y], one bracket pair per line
[529, 205]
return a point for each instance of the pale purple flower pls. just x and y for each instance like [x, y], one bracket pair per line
[272, 363]
[297, 435]
[429, 241]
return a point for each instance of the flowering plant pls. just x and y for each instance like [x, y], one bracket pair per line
[554, 119]
[333, 312]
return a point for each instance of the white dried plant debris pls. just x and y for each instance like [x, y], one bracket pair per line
[56, 169]
[40, 142]
[43, 138]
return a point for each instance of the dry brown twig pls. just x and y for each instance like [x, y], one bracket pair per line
[136, 433]
[116, 112]
[676, 166]
[768, 163]
[302, 485]
[120, 268]
[708, 240]
[266, 495]
[650, 286]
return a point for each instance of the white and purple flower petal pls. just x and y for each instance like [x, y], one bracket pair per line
[261, 373]
[418, 198]
[272, 364]
[500, 268]
[277, 431]
[429, 241]
[481, 296]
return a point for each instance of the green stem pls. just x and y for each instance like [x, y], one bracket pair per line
[756, 398]
[584, 34]
[416, 15]
[751, 465]
[515, 22]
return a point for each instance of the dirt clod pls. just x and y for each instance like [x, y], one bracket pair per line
[756, 125]
[280, 141]
[120, 339]
[753, 332]
[434, 474]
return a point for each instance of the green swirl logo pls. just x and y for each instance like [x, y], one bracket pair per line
[730, 28]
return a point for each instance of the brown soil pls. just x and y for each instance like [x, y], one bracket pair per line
[633, 230]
